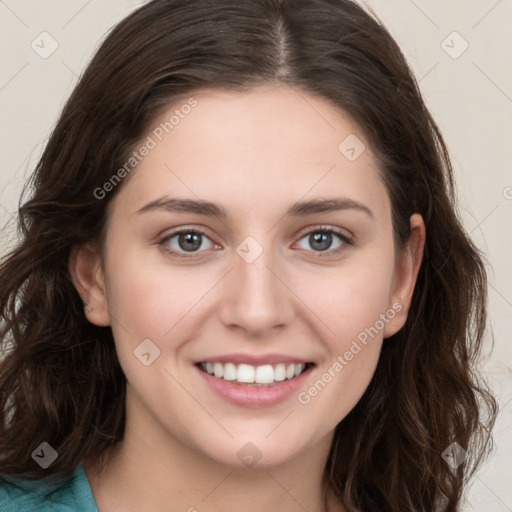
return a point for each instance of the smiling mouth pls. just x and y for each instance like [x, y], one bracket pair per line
[248, 375]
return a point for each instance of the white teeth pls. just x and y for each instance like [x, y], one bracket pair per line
[280, 372]
[264, 374]
[230, 372]
[246, 373]
[218, 369]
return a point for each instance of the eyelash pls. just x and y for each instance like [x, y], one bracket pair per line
[320, 229]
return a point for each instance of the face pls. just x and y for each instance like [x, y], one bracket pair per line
[293, 269]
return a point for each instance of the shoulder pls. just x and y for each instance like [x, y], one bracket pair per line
[23, 495]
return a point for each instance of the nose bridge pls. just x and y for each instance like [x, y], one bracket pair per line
[256, 299]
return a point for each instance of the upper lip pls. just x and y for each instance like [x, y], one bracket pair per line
[255, 360]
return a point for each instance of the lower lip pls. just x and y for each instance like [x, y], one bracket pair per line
[254, 396]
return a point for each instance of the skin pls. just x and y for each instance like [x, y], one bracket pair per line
[254, 153]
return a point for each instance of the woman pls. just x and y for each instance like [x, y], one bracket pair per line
[242, 281]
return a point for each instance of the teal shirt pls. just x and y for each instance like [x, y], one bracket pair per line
[22, 495]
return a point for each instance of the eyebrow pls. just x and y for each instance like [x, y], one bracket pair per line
[209, 209]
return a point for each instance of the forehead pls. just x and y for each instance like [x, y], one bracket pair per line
[275, 143]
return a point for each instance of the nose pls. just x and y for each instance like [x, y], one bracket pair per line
[255, 297]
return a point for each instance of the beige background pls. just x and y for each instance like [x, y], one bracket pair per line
[469, 93]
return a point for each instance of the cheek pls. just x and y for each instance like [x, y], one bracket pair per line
[352, 305]
[339, 386]
[350, 298]
[355, 311]
[148, 297]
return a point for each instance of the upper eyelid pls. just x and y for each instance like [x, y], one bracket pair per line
[323, 227]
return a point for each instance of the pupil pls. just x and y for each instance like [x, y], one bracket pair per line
[324, 240]
[189, 241]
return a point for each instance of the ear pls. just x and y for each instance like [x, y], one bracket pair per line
[405, 274]
[86, 271]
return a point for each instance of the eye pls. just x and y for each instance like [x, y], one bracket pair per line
[191, 241]
[185, 240]
[321, 239]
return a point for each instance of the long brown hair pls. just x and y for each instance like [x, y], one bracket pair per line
[60, 381]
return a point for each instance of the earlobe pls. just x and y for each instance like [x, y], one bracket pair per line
[86, 272]
[406, 274]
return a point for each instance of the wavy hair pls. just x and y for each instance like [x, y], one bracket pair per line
[60, 380]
